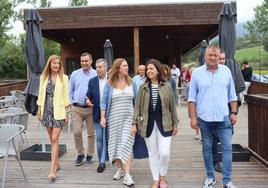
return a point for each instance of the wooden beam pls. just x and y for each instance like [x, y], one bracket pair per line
[136, 48]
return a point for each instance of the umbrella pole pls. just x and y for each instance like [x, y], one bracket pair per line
[42, 137]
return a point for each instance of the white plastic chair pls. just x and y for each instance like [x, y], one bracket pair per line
[9, 146]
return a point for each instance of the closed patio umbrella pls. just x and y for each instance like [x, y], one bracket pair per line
[34, 53]
[108, 52]
[227, 39]
[202, 51]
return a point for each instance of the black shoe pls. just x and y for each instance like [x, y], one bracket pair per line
[101, 167]
[88, 160]
[79, 160]
[218, 167]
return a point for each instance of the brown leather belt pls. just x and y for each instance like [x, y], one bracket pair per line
[80, 106]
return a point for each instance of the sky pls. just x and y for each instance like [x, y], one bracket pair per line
[245, 8]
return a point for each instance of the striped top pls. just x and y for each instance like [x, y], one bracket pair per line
[154, 94]
[120, 142]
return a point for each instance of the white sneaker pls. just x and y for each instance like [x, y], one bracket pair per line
[118, 174]
[128, 180]
[209, 182]
[229, 185]
[197, 137]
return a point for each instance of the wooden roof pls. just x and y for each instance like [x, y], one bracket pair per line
[185, 25]
[131, 15]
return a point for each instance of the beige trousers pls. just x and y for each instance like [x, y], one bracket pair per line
[79, 115]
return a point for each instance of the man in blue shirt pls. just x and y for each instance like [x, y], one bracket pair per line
[211, 90]
[80, 111]
[140, 78]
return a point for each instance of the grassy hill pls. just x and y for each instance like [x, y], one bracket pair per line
[252, 56]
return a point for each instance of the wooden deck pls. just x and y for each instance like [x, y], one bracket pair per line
[186, 168]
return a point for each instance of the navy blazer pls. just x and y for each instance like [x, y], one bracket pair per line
[93, 93]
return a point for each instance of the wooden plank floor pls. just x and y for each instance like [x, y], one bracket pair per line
[186, 166]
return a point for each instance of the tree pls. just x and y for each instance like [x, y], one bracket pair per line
[50, 48]
[265, 43]
[8, 13]
[244, 42]
[192, 57]
[12, 65]
[78, 2]
[258, 28]
[45, 3]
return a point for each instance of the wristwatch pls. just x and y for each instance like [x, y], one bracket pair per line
[235, 113]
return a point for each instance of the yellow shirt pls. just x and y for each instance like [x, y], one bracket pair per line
[60, 100]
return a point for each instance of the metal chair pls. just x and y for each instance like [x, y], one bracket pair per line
[69, 122]
[20, 98]
[15, 115]
[7, 115]
[7, 101]
[9, 146]
[180, 94]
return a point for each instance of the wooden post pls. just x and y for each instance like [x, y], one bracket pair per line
[136, 48]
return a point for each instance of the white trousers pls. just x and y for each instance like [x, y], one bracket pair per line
[243, 93]
[159, 153]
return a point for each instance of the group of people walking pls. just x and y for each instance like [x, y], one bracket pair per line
[136, 118]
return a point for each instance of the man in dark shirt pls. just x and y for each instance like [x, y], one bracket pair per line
[246, 71]
[247, 74]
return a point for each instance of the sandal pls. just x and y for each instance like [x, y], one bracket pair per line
[51, 176]
[155, 184]
[163, 183]
[57, 168]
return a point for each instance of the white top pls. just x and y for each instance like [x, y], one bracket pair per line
[127, 91]
[175, 73]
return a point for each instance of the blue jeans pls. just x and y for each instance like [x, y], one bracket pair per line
[215, 151]
[101, 142]
[224, 132]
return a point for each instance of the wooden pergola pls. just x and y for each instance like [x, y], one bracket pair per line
[137, 32]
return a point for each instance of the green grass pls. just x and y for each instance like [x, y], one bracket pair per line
[262, 71]
[251, 55]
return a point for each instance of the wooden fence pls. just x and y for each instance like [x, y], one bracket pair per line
[5, 88]
[258, 121]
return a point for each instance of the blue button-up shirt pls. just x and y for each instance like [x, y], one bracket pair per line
[211, 92]
[138, 80]
[78, 85]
